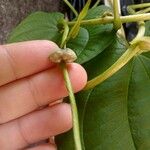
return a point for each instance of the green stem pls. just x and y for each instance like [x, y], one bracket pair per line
[65, 34]
[71, 7]
[123, 60]
[109, 19]
[141, 24]
[75, 120]
[140, 5]
[117, 21]
[96, 4]
[146, 10]
[76, 129]
[140, 33]
[117, 24]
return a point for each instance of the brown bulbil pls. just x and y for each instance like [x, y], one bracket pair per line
[66, 55]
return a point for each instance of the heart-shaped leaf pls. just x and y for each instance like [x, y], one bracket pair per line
[79, 43]
[100, 36]
[39, 25]
[115, 114]
[47, 26]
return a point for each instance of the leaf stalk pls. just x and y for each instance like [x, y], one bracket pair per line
[123, 60]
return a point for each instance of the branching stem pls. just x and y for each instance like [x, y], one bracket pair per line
[117, 21]
[124, 59]
[140, 33]
[141, 24]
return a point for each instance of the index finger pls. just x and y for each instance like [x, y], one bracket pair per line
[22, 59]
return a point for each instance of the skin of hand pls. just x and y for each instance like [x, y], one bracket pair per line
[29, 87]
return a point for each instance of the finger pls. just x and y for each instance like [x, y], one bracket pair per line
[26, 95]
[56, 102]
[25, 58]
[35, 127]
[43, 147]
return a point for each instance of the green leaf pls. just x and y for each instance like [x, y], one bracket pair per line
[94, 39]
[147, 26]
[39, 25]
[100, 36]
[46, 26]
[99, 39]
[115, 115]
[79, 43]
[97, 12]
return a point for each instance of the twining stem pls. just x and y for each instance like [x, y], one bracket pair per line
[76, 130]
[140, 5]
[123, 60]
[141, 25]
[109, 19]
[140, 33]
[65, 34]
[146, 10]
[117, 21]
[96, 4]
[71, 7]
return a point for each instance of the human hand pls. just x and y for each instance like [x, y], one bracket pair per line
[28, 83]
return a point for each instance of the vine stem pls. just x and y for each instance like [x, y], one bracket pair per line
[141, 25]
[75, 120]
[143, 5]
[109, 19]
[117, 21]
[146, 10]
[65, 34]
[76, 130]
[96, 4]
[140, 33]
[71, 7]
[123, 60]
